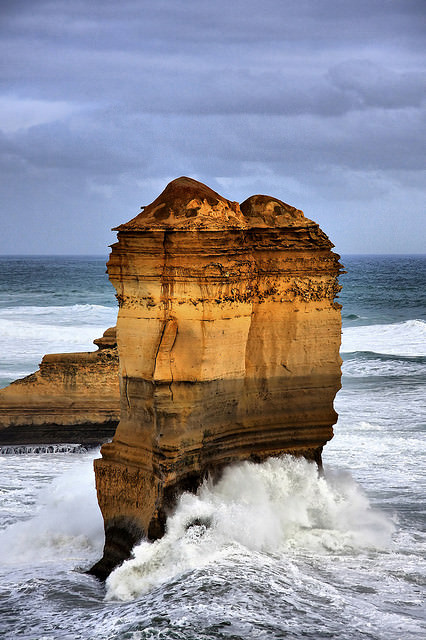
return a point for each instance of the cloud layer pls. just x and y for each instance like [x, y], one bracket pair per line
[319, 103]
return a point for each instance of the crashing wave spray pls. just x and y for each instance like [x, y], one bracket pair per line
[281, 506]
[65, 522]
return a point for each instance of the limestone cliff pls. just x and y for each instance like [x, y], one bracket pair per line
[228, 337]
[73, 397]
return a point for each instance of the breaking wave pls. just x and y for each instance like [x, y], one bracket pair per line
[282, 506]
[26, 449]
[67, 521]
[28, 333]
[367, 363]
[399, 339]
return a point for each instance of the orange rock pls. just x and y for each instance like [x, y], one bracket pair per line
[228, 337]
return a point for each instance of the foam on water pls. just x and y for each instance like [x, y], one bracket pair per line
[67, 520]
[25, 449]
[361, 364]
[279, 507]
[69, 314]
[316, 566]
[28, 334]
[402, 338]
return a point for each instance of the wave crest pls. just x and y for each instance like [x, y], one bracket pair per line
[281, 506]
[399, 339]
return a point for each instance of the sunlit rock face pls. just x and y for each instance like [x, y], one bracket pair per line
[228, 338]
[73, 397]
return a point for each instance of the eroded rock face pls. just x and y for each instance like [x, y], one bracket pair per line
[73, 397]
[228, 336]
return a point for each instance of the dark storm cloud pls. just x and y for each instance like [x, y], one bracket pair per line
[101, 100]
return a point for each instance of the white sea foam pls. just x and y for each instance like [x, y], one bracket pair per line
[28, 333]
[67, 521]
[279, 507]
[72, 314]
[25, 449]
[402, 338]
[370, 366]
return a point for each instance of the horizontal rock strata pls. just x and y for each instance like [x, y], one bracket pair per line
[73, 397]
[228, 337]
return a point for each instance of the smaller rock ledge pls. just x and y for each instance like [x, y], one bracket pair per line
[72, 398]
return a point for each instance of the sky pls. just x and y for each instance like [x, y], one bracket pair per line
[320, 103]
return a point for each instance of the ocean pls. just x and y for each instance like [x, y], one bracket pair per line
[288, 554]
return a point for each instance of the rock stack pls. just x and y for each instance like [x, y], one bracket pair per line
[228, 335]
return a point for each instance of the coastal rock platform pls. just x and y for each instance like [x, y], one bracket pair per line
[72, 398]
